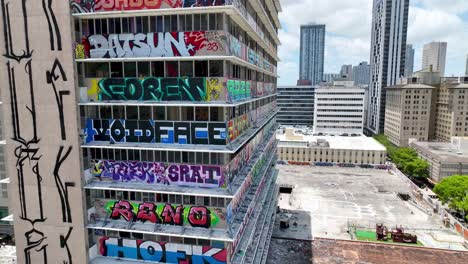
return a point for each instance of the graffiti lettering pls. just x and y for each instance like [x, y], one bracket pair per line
[153, 89]
[161, 252]
[160, 173]
[195, 216]
[238, 90]
[86, 6]
[149, 131]
[162, 44]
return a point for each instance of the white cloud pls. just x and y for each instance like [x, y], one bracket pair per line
[348, 25]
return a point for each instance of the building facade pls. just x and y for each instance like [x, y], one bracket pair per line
[339, 109]
[330, 77]
[408, 112]
[312, 53]
[176, 104]
[409, 60]
[445, 158]
[434, 56]
[361, 74]
[387, 60]
[346, 72]
[451, 114]
[5, 227]
[296, 105]
[358, 150]
[466, 67]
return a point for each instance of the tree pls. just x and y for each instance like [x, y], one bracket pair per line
[454, 192]
[417, 168]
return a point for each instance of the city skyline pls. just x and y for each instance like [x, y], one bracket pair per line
[349, 31]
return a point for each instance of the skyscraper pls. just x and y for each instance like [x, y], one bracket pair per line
[466, 67]
[312, 53]
[346, 72]
[434, 54]
[409, 60]
[387, 60]
[361, 73]
[137, 134]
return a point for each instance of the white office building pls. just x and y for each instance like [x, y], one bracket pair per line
[434, 55]
[388, 48]
[339, 109]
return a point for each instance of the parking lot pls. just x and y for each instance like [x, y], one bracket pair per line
[327, 201]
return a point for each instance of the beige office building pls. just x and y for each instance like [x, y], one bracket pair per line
[445, 159]
[451, 116]
[408, 111]
[301, 146]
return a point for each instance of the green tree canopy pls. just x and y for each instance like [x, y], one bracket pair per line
[454, 192]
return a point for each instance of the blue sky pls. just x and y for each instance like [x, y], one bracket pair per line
[349, 29]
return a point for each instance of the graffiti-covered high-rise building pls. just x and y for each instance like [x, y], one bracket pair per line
[140, 130]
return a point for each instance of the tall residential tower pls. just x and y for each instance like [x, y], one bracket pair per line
[141, 131]
[312, 53]
[387, 60]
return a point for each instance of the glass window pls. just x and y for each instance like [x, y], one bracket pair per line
[130, 69]
[172, 69]
[216, 69]
[98, 69]
[188, 23]
[132, 113]
[159, 113]
[201, 68]
[187, 113]
[204, 22]
[111, 25]
[196, 22]
[143, 69]
[159, 24]
[201, 113]
[157, 68]
[152, 21]
[186, 68]
[145, 112]
[173, 113]
[167, 24]
[116, 69]
[118, 112]
[212, 18]
[174, 25]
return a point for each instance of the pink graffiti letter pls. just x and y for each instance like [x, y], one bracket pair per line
[124, 209]
[169, 216]
[199, 217]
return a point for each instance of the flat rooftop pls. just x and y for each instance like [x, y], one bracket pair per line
[446, 152]
[328, 201]
[307, 139]
[325, 251]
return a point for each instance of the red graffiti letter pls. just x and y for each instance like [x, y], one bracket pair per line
[199, 217]
[171, 217]
[124, 209]
[146, 213]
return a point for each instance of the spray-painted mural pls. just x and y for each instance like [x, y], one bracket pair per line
[167, 214]
[88, 6]
[162, 89]
[149, 131]
[43, 140]
[159, 44]
[159, 173]
[161, 252]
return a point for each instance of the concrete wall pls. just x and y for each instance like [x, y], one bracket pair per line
[42, 153]
[303, 154]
